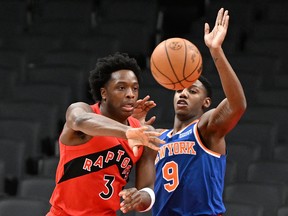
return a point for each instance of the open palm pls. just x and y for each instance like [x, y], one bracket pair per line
[215, 38]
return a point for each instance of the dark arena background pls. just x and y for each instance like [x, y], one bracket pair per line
[48, 47]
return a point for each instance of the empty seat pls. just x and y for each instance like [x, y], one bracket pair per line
[66, 10]
[231, 172]
[281, 80]
[276, 11]
[69, 76]
[270, 30]
[273, 114]
[265, 134]
[15, 206]
[274, 97]
[282, 210]
[33, 46]
[13, 18]
[269, 196]
[45, 114]
[57, 95]
[23, 131]
[280, 153]
[268, 171]
[13, 161]
[276, 47]
[129, 10]
[14, 61]
[260, 65]
[250, 82]
[234, 208]
[129, 33]
[12, 150]
[47, 166]
[242, 154]
[62, 29]
[2, 175]
[72, 58]
[36, 188]
[14, 11]
[97, 45]
[8, 78]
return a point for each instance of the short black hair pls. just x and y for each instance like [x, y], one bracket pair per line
[206, 84]
[105, 66]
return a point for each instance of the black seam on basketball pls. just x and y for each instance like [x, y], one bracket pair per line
[179, 80]
[184, 65]
[171, 82]
[196, 68]
[186, 78]
[168, 57]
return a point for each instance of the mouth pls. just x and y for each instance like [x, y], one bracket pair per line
[129, 107]
[182, 103]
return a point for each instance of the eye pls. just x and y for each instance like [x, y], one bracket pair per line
[121, 87]
[192, 91]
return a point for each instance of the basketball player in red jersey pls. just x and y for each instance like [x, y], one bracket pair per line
[100, 144]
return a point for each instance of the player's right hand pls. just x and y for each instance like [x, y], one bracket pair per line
[142, 136]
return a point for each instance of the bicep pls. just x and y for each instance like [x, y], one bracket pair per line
[221, 119]
[73, 113]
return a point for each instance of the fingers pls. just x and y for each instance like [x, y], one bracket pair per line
[218, 20]
[131, 197]
[145, 103]
[140, 136]
[151, 120]
[226, 19]
[156, 140]
[206, 29]
[222, 18]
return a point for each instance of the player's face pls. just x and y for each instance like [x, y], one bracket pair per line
[121, 93]
[189, 101]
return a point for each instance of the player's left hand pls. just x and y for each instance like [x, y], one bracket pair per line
[215, 38]
[133, 200]
[141, 109]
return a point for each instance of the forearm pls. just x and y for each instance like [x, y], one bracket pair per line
[231, 85]
[98, 125]
[146, 178]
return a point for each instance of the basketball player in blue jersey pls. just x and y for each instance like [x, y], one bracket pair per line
[190, 166]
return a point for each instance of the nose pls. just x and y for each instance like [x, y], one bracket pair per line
[130, 93]
[183, 93]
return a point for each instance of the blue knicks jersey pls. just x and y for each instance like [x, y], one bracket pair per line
[189, 177]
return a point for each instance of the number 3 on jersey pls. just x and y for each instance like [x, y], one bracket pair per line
[170, 174]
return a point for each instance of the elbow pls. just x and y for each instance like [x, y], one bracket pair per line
[242, 106]
[77, 122]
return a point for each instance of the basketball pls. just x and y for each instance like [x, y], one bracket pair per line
[176, 63]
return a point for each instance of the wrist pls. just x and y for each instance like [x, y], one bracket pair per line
[152, 197]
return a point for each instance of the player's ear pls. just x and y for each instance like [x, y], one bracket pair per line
[103, 93]
[207, 102]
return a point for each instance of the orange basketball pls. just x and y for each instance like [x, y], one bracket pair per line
[176, 63]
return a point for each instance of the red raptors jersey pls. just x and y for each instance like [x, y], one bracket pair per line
[89, 177]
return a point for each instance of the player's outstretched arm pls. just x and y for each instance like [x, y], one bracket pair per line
[81, 119]
[229, 111]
